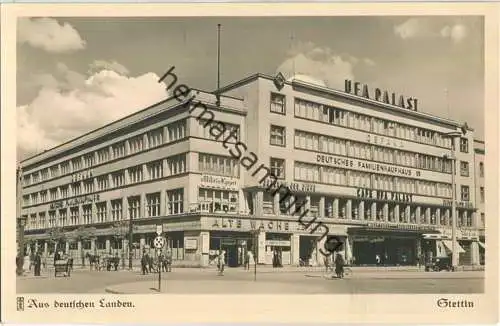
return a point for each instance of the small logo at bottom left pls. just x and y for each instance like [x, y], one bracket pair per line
[20, 303]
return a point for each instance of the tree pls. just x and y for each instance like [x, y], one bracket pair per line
[56, 235]
[120, 231]
[83, 233]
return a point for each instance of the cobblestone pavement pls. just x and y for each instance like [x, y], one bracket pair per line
[195, 280]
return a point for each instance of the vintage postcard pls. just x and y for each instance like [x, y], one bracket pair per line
[250, 163]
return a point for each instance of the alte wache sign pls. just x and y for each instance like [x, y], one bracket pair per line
[379, 95]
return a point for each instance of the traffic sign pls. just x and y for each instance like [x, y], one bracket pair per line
[159, 242]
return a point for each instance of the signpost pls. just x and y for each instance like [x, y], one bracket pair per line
[159, 243]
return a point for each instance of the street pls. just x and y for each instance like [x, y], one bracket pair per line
[193, 280]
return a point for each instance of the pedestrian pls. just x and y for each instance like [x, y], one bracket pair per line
[38, 263]
[168, 259]
[377, 259]
[339, 265]
[32, 260]
[222, 262]
[248, 257]
[144, 263]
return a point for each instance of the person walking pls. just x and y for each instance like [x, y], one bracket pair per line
[144, 263]
[37, 261]
[168, 260]
[222, 262]
[339, 265]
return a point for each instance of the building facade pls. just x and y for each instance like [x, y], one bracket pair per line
[370, 167]
[479, 152]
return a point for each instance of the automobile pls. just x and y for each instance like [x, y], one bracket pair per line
[438, 264]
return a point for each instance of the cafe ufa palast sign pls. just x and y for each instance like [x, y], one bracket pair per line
[379, 95]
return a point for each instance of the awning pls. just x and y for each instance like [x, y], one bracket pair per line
[449, 246]
[483, 245]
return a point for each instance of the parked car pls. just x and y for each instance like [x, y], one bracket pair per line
[438, 264]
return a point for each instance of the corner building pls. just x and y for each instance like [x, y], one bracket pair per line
[376, 174]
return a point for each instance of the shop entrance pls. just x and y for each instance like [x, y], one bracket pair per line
[307, 246]
[236, 246]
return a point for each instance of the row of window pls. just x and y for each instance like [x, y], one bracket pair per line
[98, 213]
[169, 133]
[173, 165]
[427, 215]
[342, 147]
[317, 173]
[336, 116]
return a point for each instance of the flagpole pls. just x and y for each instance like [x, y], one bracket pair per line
[217, 95]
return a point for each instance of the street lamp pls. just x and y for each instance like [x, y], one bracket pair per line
[256, 233]
[21, 222]
[454, 255]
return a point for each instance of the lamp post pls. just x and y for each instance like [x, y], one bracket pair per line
[454, 255]
[21, 222]
[256, 233]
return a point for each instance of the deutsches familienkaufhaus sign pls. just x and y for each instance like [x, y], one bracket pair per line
[218, 182]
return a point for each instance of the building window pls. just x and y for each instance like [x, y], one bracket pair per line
[43, 196]
[52, 219]
[41, 220]
[54, 170]
[481, 194]
[89, 160]
[135, 174]
[87, 214]
[464, 193]
[464, 145]
[116, 209]
[464, 169]
[136, 144]
[102, 182]
[176, 164]
[134, 207]
[76, 188]
[306, 172]
[482, 220]
[211, 200]
[34, 198]
[278, 167]
[64, 191]
[176, 130]
[53, 194]
[153, 205]
[278, 103]
[64, 169]
[230, 132]
[36, 177]
[63, 217]
[26, 199]
[32, 223]
[155, 137]
[118, 179]
[118, 150]
[175, 201]
[74, 213]
[27, 180]
[103, 155]
[481, 169]
[220, 165]
[76, 163]
[101, 212]
[278, 136]
[45, 174]
[155, 170]
[88, 186]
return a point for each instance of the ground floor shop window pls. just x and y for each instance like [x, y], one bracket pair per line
[175, 241]
[383, 250]
[235, 245]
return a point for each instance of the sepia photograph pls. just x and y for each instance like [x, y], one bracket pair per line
[232, 155]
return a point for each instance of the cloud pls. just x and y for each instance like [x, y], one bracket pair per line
[426, 28]
[320, 65]
[98, 65]
[49, 35]
[70, 104]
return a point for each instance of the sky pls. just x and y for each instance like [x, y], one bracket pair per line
[78, 74]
